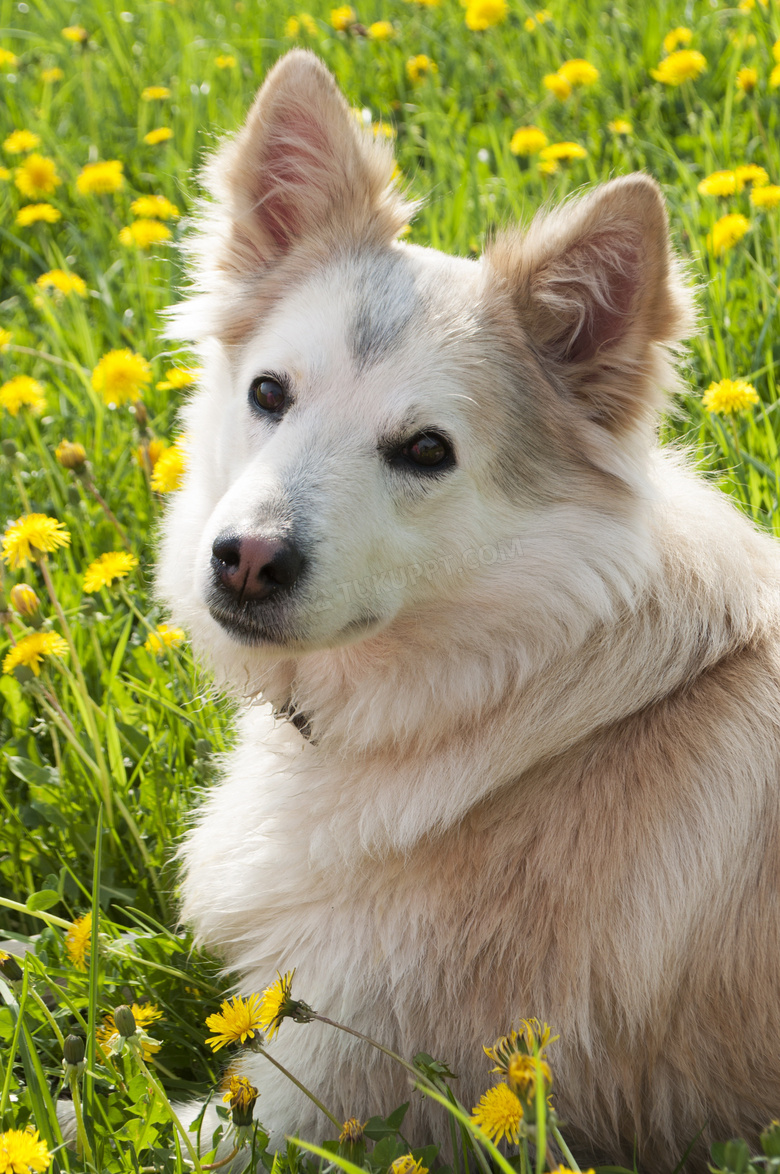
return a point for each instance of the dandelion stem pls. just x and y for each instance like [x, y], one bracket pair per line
[224, 1162]
[541, 1116]
[21, 491]
[302, 1087]
[374, 1044]
[81, 1133]
[565, 1149]
[49, 918]
[169, 1108]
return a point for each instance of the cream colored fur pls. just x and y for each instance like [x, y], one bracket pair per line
[543, 779]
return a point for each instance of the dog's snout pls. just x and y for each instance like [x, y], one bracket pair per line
[252, 567]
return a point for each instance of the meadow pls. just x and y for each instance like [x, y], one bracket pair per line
[109, 730]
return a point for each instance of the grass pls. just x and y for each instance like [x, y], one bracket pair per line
[106, 752]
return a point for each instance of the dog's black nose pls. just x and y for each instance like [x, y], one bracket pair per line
[251, 567]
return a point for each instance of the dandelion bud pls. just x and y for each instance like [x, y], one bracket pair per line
[352, 1142]
[23, 674]
[9, 967]
[24, 600]
[9, 449]
[74, 497]
[124, 1020]
[70, 455]
[141, 415]
[73, 1049]
[242, 1096]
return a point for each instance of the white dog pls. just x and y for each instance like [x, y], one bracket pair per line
[518, 752]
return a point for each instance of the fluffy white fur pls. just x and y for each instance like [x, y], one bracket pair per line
[542, 688]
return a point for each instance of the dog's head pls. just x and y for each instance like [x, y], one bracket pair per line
[384, 432]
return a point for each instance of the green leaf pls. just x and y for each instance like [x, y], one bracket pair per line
[43, 899]
[30, 772]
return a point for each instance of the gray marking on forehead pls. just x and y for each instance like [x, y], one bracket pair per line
[387, 298]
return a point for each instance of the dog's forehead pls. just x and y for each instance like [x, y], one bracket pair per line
[399, 305]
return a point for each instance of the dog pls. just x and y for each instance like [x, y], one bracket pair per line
[512, 736]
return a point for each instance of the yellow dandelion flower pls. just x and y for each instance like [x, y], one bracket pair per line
[113, 565]
[99, 179]
[7, 58]
[529, 24]
[484, 14]
[178, 377]
[292, 26]
[548, 167]
[765, 197]
[720, 183]
[154, 208]
[682, 66]
[65, 283]
[5, 173]
[22, 392]
[150, 452]
[557, 84]
[144, 233]
[522, 1073]
[750, 173]
[308, 23]
[169, 470]
[352, 1132]
[381, 30]
[30, 651]
[543, 15]
[676, 37]
[49, 76]
[407, 1164]
[121, 376]
[241, 1095]
[30, 536]
[37, 176]
[5, 338]
[527, 140]
[342, 17]
[164, 637]
[75, 34]
[747, 79]
[727, 231]
[563, 152]
[499, 1114]
[20, 141]
[728, 396]
[236, 1021]
[578, 72]
[78, 941]
[419, 67]
[22, 1150]
[32, 213]
[160, 135]
[155, 93]
[274, 1001]
[774, 78]
[225, 61]
[746, 5]
[620, 126]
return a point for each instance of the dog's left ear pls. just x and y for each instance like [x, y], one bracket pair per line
[301, 170]
[598, 294]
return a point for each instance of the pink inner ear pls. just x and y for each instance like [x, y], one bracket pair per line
[603, 293]
[294, 183]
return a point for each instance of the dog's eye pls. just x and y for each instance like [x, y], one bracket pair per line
[267, 393]
[428, 451]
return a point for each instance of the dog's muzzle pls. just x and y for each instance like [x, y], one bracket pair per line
[253, 577]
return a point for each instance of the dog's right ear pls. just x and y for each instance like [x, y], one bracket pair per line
[301, 169]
